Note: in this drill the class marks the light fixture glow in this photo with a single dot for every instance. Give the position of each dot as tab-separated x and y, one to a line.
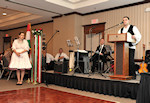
4	13
147	9
74	1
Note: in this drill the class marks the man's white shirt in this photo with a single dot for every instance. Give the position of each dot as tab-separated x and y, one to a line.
59	55
49	58
137	35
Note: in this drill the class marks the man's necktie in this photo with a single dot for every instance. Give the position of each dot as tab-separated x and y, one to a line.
58	57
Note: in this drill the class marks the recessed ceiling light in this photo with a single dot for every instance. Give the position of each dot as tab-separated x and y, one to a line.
74	1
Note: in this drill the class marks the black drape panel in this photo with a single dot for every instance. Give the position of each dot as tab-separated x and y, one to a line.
106	87
144	89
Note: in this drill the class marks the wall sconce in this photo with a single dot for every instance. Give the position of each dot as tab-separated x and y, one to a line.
147	9
4	11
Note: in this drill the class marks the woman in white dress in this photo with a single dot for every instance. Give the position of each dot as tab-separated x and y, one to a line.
20	59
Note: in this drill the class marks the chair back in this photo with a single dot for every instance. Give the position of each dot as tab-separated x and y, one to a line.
5	61
108	49
109	52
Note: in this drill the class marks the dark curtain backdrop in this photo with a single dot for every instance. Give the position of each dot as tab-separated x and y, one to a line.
106	87
144	89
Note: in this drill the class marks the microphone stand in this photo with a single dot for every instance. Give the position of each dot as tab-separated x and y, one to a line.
111	27
45	66
90	32
77	58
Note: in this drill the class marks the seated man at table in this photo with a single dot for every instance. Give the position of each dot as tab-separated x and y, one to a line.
61	56
49	60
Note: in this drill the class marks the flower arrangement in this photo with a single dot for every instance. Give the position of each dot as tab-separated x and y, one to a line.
37	31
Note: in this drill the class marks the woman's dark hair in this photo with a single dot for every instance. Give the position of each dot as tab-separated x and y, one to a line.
21	32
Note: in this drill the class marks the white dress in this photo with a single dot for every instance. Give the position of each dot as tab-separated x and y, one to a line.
22	61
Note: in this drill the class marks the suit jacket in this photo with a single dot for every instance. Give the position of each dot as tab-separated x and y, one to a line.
102	51
96	55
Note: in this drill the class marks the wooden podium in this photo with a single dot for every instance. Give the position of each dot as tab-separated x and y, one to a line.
121	55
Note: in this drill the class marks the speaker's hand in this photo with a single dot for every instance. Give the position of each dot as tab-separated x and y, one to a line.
100	53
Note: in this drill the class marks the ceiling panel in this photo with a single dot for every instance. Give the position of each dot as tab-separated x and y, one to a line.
42	11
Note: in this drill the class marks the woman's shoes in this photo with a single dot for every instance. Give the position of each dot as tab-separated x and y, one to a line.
19	83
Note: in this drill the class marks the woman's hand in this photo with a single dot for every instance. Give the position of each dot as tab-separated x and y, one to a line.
23	51
18	54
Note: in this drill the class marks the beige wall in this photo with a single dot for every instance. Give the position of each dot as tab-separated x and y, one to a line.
138	17
47	29
1	41
69	26
79	31
66	26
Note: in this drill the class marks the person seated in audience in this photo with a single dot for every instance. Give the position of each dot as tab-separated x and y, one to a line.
1	55
61	56
49	60
7	55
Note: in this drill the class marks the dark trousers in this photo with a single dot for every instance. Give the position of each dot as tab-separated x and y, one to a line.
48	66
96	64
131	62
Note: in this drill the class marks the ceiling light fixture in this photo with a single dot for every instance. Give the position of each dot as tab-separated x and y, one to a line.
74	1
147	9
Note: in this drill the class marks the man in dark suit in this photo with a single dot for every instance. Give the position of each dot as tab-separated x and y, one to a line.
100	54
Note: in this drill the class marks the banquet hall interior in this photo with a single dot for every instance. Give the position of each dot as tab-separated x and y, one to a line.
76	27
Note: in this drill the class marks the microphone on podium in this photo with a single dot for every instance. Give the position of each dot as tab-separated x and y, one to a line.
57	30
121	23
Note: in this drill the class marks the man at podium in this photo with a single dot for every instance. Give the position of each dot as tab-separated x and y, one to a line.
132	46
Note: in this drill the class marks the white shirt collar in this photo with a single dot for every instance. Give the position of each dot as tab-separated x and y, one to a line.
127	27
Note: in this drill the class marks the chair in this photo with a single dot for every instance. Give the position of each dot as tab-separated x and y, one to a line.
109	58
0	65
5	64
103	60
